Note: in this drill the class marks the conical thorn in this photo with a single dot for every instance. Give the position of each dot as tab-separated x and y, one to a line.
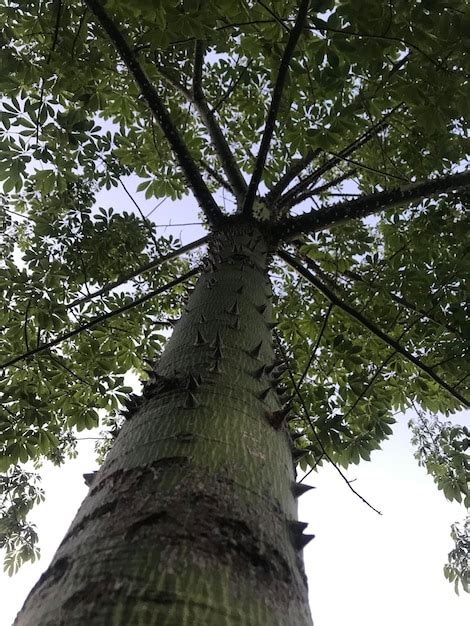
215	367
200	339
217	354
277	418
298	489
192	382
234	309
217	342
255	353
264	394
258	374
190	401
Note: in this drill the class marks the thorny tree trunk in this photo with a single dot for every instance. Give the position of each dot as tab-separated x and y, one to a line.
191	520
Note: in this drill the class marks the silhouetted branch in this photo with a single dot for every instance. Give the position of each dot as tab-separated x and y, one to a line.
274	107
308	419
290	198
140	270
161	114
100	318
371	326
296	167
371	203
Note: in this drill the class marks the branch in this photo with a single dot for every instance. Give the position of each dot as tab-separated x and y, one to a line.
195	96
276	17
216	176
371	203
145	220
161	114
231	169
322	26
140	270
316	346
296	168
371	326
274	107
355	276
100	318
316	191
231	87
289	199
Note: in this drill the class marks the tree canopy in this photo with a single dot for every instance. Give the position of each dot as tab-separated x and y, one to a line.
338	126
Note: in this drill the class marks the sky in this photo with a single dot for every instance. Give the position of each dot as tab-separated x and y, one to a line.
363	569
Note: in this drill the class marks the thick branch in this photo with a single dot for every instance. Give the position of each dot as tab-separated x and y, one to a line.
161	114
371	326
100	318
140	270
230	166
371	203
274	107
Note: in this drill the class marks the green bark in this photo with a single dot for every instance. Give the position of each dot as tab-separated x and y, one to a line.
191	520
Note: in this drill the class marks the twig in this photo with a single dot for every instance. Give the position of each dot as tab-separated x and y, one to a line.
312	426
317	343
289	199
144	218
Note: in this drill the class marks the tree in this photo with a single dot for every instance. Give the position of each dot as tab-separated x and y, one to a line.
330	297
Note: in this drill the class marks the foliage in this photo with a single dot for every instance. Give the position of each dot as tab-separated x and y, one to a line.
73	124
457	570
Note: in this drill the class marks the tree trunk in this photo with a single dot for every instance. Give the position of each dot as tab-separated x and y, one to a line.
191	520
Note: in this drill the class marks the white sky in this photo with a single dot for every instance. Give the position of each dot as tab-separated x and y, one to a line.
363	569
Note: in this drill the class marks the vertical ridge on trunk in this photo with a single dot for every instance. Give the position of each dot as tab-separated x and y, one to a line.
191	520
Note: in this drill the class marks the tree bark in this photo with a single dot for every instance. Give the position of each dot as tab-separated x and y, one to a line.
191	521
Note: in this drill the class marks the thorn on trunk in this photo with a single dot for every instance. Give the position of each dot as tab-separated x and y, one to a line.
255	353
200	339
258	374
192	382
89	478
190	401
261	308
217	342
217	354
264	394
234	309
236	324
298	489
215	367
277	418
298	539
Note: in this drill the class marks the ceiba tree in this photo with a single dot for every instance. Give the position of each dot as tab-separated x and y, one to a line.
329	298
